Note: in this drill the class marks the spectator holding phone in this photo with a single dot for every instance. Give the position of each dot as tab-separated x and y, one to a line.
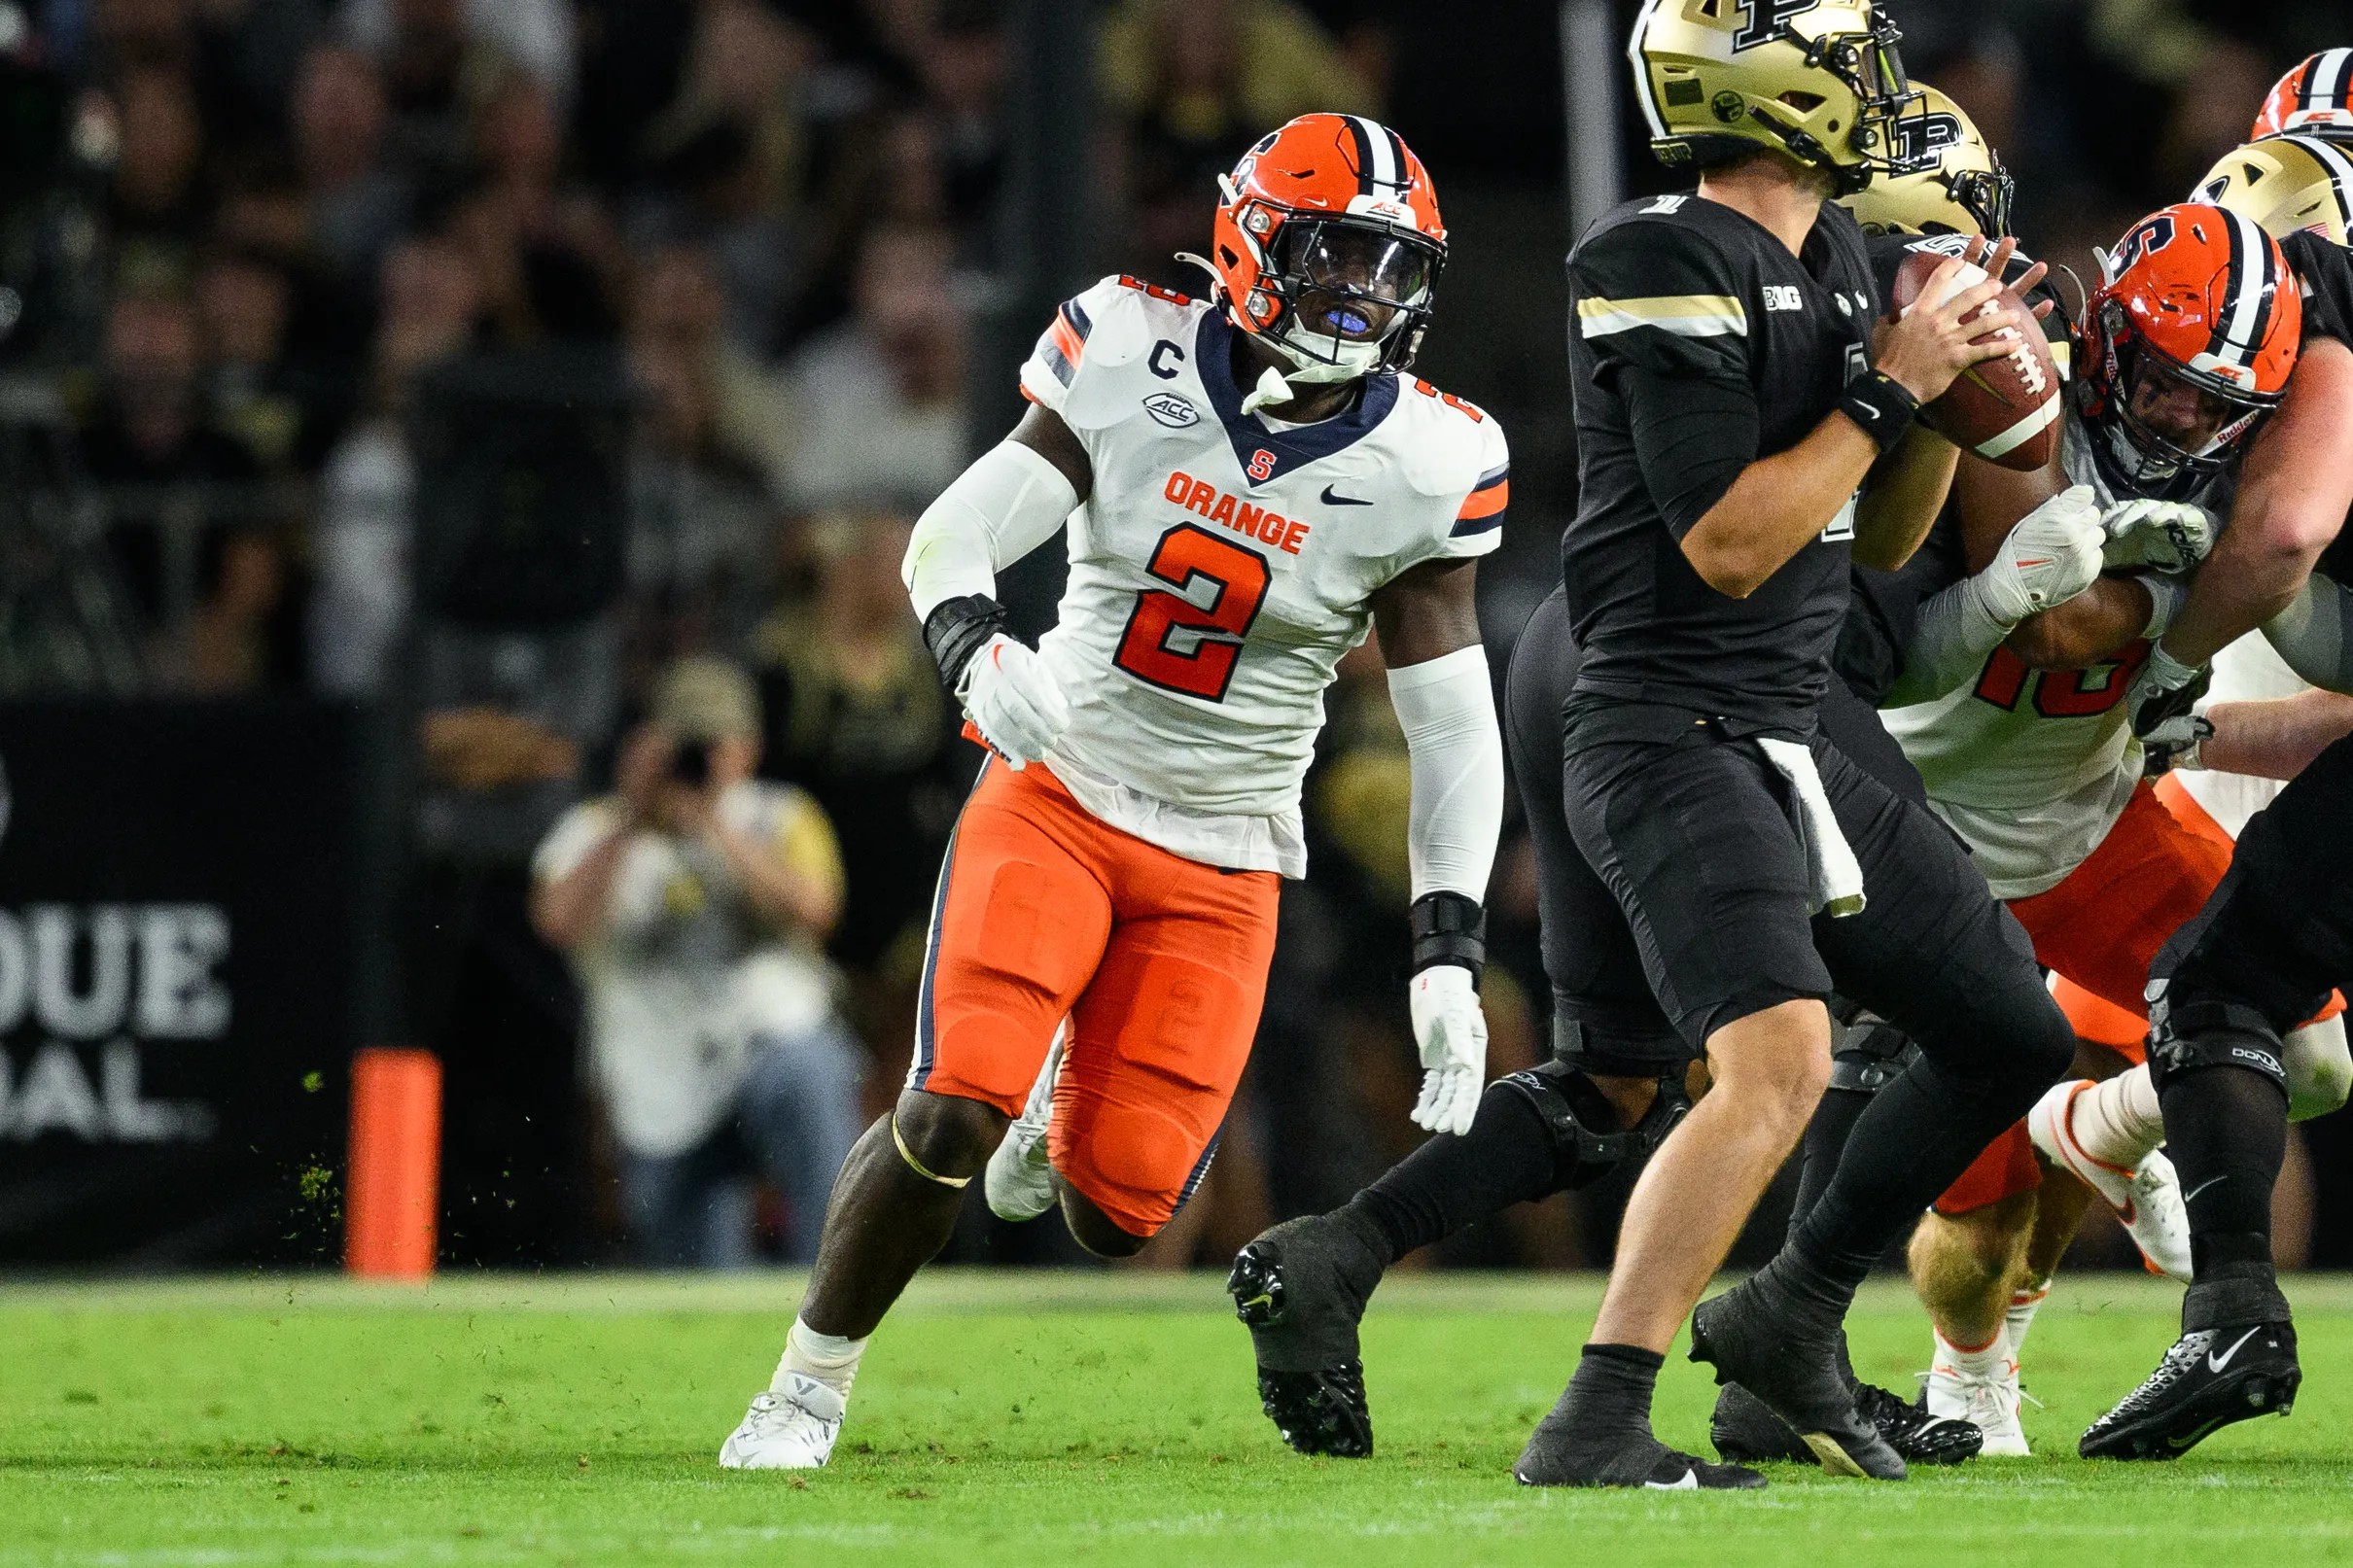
692	904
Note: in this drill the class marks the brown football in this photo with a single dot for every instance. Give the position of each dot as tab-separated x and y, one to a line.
2005	410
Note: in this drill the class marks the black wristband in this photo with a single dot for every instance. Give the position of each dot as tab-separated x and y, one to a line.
957	628
1883	406
1448	929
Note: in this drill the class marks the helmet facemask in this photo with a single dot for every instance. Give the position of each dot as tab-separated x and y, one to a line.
1356	295
1872	67
2145	456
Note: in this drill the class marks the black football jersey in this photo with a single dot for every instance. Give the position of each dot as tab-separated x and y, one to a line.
1688	289
2325	268
2326	271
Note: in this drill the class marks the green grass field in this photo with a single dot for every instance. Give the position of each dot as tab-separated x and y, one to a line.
1026	1418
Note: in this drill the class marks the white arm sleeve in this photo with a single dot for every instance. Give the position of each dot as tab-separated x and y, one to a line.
1447	708
1955	634
2314	635
1008	503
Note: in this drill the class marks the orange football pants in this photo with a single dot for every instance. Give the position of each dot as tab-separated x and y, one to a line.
2097	932
1046	913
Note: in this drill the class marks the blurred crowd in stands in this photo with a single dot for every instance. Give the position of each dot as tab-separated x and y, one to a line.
482	359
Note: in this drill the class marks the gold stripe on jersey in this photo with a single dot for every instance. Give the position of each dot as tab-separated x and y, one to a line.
1686	314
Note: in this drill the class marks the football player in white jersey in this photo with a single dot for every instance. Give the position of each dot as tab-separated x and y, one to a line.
2026	746
1247	487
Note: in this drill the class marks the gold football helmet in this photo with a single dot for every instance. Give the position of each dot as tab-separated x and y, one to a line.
1819	81
1956	185
2285	184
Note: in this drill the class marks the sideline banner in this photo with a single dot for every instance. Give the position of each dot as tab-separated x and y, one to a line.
182	930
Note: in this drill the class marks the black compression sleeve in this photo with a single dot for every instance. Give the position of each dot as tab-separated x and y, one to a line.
1693	437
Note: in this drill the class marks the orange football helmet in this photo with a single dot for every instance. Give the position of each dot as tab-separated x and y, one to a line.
1328	247
2188	344
2316	97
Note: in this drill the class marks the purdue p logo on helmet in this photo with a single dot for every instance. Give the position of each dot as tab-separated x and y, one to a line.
1817	79
1957	185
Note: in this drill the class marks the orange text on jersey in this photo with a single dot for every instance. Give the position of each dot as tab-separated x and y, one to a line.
1285	534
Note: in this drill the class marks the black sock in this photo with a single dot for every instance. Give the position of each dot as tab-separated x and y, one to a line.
1609	1394
1908	1143
1506	1158
2227	1129
1825	1140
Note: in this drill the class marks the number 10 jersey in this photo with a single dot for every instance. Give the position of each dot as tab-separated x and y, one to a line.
1225	564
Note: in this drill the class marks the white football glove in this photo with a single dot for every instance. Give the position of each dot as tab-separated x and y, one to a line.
1452	1034
1011	697
2051	556
2165	690
2171	535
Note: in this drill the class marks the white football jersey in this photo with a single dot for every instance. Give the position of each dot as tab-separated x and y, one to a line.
1223	564
2033	767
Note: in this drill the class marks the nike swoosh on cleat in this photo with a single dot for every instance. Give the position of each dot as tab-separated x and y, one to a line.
2214	1363
1689	1484
2045	561
1332	498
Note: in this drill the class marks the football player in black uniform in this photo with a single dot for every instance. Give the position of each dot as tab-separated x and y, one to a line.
2277	935
1729	412
1619	1074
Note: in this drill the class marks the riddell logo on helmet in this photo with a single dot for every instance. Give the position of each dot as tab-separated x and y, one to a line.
1285	534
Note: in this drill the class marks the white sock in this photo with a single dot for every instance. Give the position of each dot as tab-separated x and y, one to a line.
2116	1122
1985	1361
828	1358
2025	1302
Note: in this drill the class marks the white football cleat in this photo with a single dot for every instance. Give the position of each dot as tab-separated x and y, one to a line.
793	1430
2148	1200
1988	1403
1018	1182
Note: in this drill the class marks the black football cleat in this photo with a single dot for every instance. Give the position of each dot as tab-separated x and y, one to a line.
1746	1433
1557	1456
1301	1289
2210	1379
1792	1368
1917	1436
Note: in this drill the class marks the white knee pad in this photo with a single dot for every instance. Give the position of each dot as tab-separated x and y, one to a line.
2319	1068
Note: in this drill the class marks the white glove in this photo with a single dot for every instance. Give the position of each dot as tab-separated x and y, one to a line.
2171	535
2051	556
2165	690
1452	1034
1011	697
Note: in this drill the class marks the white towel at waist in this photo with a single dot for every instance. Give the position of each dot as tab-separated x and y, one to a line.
1836	876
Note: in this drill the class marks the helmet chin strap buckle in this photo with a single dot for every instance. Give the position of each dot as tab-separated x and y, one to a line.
1271	388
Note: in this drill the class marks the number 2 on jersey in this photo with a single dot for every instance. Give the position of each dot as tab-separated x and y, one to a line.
1186	556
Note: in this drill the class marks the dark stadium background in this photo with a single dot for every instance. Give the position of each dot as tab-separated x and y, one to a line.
301	295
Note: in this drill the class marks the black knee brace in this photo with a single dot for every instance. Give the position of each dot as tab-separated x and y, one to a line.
1577	1114
2199	1032
1872	1052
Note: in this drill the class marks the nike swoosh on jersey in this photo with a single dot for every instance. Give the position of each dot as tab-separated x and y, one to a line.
2214	1363
1332	498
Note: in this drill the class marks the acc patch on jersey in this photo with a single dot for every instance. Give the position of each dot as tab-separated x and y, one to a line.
1172	410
